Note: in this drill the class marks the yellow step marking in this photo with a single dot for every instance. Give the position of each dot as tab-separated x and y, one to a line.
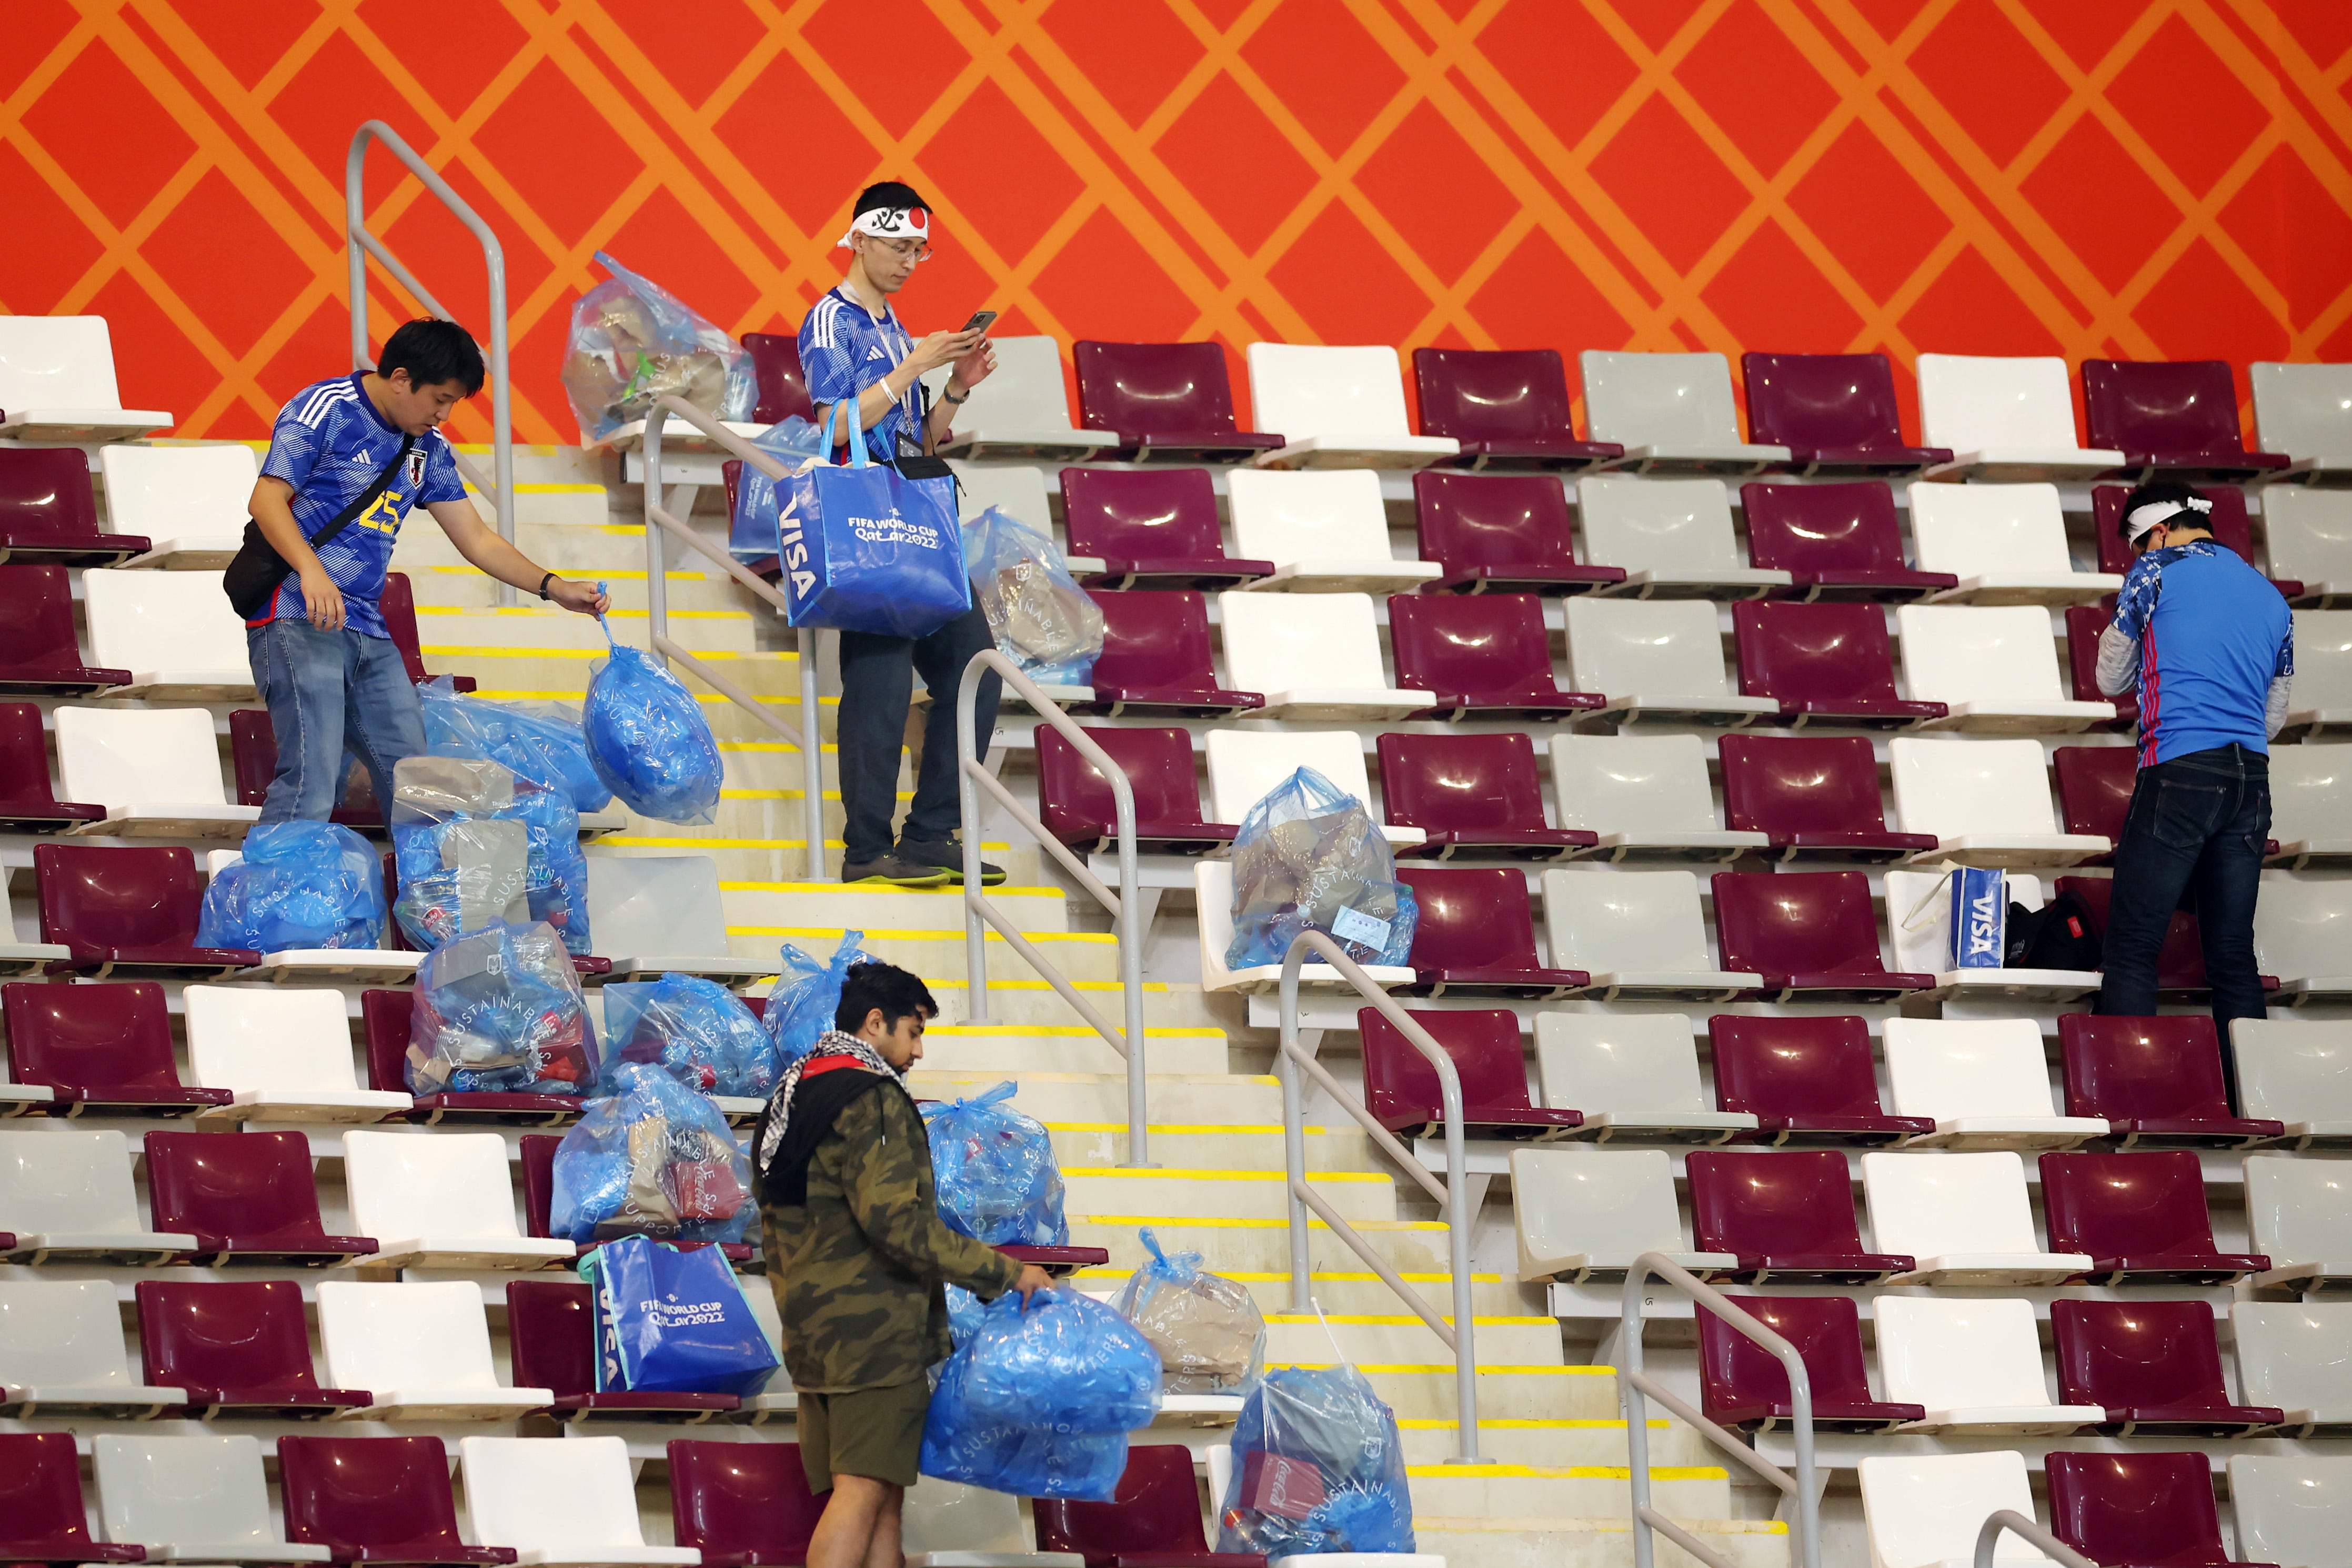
1430	1368
1282	1275
610	615
1235	1222
468	650
1430	1424
1124	1172
1183	1129
942	891
921	933
1450	1524
1152	985
639	576
1565	1472
1070	1031
1394	1319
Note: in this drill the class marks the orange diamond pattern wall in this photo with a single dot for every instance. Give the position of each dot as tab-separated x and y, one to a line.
2103	177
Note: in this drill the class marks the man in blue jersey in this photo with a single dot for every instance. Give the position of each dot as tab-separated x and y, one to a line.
2209	646
322	659
852	346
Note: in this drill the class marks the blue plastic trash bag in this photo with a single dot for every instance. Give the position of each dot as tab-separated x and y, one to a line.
1309	855
964	1312
500	1011
698	1030
961	1444
300	885
1043	621
542	742
1317	1468
995	1173
673	1323
1208	1330
807	993
1063	1362
867	550
754	530
648	740
632	340
474	847
653	1158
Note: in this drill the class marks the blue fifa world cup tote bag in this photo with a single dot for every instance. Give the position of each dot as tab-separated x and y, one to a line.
865	549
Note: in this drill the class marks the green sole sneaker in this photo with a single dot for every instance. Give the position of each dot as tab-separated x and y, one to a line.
894	872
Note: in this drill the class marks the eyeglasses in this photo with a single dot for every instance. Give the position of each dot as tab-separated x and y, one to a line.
905	249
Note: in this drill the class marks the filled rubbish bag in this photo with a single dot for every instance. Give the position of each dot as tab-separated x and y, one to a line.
696	1030
1309	855
672	1321
500	1011
1062	1361
961	1444
1317	1468
807	993
653	1158
648	738
1042	619
474	845
1207	1329
542	742
755	527
964	1312
995	1174
632	340
299	885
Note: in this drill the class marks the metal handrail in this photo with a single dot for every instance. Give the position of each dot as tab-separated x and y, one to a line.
1634	1386
973	776
2017	1524
660	526
359	244
1290	1060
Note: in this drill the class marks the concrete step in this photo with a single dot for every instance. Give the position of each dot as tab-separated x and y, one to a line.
1213	1147
549	632
1165	1005
1415	1248
1553	1443
1498	1541
995	1052
1344	1291
1393	1336
1079	956
560	670
1118	1196
557	464
1424	1391
1068	1099
463	586
1580	1492
830	906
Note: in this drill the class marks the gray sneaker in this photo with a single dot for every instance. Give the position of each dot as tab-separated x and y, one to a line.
949	856
896	869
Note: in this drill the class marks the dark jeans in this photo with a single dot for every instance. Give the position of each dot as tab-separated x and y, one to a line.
2197	827
876	688
329	693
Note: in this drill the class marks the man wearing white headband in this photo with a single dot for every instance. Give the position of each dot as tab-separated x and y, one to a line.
2207	644
852	346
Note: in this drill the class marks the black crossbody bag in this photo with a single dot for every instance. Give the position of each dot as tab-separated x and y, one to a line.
257	569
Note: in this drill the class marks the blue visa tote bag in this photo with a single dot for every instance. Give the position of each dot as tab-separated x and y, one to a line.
675	1323
865	549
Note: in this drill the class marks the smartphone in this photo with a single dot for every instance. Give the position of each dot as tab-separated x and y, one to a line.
980	322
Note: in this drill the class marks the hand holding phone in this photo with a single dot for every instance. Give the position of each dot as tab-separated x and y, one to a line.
980	322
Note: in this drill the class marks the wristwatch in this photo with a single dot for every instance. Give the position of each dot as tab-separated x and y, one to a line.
948	396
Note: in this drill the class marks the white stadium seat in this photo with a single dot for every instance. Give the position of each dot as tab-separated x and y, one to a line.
1671	412
190	1499
1018	492
1662	661
1996	669
1579	1215
285	1051
2006	544
1974	1365
1212	893
58	386
68	1196
1987	801
1919	920
2298	1072
2299	1212
1984	1081
1964	1218
1672	537
1313	656
422	1350
1923	1511
1638	934
2003	419
2311	804
1633	1076
661	914
2306	412
157	770
1022	410
1244	766
191	502
440	1200
1643	795
2291	1508
61	1350
2322	692
2292	1356
173	630
1335	409
1325	533
559	1503
2303	934
2309	534
949	1525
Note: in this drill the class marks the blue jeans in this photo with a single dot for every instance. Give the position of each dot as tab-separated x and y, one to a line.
329	693
2194	836
877	689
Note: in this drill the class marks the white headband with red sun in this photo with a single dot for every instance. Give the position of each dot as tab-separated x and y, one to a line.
889	223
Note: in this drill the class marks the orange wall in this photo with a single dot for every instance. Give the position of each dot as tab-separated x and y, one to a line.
1999	176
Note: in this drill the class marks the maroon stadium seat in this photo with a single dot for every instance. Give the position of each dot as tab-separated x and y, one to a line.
1471	792
1400	1086
1813	795
38	653
1151	529
1153	1521
46	511
1809	933
1075	801
2175	417
1170	401
252	759
2158	1081
742	1505
1826	663
28	801
1742	1384
376	1500
245	1199
2140	1217
1838	542
1508	533
1155	660
1803	1078
1482	657
105	1049
1507	408
384	1021
1786	1216
2136	1511
43	1518
551	1333
536	1155
1476	936
2154	1366
237	1349
2180	965
399	607
1835	412
125	912
783	390
2084	624
2095	788
2228	523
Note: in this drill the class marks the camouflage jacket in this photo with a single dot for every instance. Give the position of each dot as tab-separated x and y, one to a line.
858	1269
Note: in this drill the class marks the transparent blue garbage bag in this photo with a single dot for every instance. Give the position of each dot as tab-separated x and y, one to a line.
632	340
500	1011
672	1321
995	1174
653	1158
299	885
698	1030
1317	1468
754	529
961	1444
1041	618
1063	1362
1309	855
542	742
964	1312
474	846
648	738
1208	1330
807	993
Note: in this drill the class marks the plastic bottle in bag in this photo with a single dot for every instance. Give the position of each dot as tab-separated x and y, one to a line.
806	995
542	742
500	1011
1042	619
455	821
648	738
631	341
695	1029
1309	855
1208	1330
1317	1468
299	885
653	1158
994	1171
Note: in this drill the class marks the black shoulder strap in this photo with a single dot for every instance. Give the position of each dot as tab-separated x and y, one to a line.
345	518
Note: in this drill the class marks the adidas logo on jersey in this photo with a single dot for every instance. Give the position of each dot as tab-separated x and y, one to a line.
874	351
